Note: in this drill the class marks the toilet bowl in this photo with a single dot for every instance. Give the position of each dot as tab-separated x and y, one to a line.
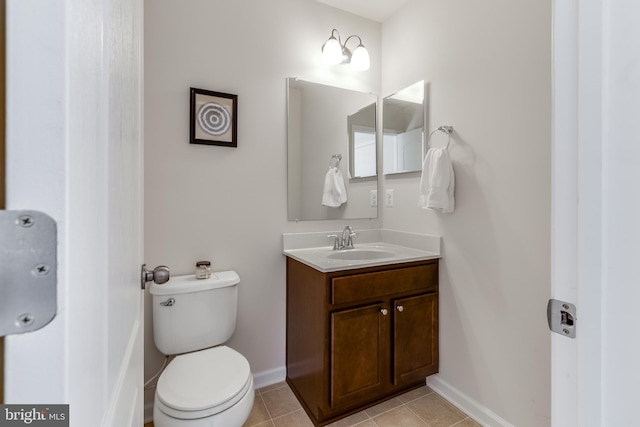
207	384
212	387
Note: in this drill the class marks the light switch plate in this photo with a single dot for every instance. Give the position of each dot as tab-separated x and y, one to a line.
373	198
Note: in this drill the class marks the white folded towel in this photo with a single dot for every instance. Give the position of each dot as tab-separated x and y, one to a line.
437	181
334	193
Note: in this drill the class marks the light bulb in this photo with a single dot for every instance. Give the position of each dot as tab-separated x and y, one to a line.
360	59
332	51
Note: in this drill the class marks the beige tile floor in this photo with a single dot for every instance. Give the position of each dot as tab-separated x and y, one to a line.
276	406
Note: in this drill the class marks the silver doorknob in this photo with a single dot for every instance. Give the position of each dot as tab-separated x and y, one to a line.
159	275
384	311
400	308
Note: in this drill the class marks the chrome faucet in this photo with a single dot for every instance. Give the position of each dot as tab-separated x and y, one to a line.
347	237
344	240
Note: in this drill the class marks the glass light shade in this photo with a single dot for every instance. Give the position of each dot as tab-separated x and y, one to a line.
332	52
360	59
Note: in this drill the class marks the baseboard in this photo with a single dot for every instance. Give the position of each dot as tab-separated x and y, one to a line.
466	404
148	412
260	380
272	376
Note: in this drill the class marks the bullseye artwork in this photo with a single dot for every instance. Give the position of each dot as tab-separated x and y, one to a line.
214	118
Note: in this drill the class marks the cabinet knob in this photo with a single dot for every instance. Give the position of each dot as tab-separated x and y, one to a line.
384	311
400	308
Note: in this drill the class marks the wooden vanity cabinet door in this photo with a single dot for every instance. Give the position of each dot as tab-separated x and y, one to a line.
360	354
415	338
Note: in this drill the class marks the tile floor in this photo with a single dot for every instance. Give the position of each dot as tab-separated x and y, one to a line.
276	406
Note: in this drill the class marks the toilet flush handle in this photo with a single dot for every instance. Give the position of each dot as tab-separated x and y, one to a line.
168	303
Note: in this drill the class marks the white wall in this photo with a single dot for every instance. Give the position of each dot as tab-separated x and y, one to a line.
488	65
488	68
224	204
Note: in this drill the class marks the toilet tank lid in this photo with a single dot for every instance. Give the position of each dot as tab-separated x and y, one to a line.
189	283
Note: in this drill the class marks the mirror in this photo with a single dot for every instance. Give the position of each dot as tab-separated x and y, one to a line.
362	142
329	127
403	141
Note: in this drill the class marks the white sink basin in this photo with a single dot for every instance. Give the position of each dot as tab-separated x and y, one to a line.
325	259
361	254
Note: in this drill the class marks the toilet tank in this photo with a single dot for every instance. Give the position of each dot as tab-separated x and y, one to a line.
191	314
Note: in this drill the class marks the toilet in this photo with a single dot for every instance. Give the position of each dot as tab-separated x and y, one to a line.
207	384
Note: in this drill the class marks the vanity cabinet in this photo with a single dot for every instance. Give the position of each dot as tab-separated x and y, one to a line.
357	337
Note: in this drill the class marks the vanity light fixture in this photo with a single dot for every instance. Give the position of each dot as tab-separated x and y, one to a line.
336	52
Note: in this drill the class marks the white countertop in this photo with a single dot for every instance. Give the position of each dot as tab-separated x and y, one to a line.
402	246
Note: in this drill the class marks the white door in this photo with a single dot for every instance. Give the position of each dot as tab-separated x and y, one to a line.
74	151
596	207
564	240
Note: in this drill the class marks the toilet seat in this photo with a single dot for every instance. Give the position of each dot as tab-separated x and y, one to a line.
203	383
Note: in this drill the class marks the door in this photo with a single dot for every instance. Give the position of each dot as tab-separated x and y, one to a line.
415	333
2	163
596	231
360	352
74	151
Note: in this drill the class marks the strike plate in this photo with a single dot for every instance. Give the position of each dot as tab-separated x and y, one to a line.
28	271
561	317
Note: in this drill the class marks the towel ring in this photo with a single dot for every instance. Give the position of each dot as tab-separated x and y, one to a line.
444	129
337	158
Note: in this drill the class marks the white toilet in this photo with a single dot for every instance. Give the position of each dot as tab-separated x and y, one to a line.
207	384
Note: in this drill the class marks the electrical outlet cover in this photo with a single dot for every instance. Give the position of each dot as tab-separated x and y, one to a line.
389	198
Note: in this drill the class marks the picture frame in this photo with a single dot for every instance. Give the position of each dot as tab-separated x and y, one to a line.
213	118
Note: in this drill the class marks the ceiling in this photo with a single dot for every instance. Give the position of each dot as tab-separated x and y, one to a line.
376	10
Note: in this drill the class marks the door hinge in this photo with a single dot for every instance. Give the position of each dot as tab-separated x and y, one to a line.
561	317
28	271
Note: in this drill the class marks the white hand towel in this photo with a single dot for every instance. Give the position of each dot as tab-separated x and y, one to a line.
437	181
334	193
339	185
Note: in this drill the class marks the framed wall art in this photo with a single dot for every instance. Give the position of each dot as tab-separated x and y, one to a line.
214	118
